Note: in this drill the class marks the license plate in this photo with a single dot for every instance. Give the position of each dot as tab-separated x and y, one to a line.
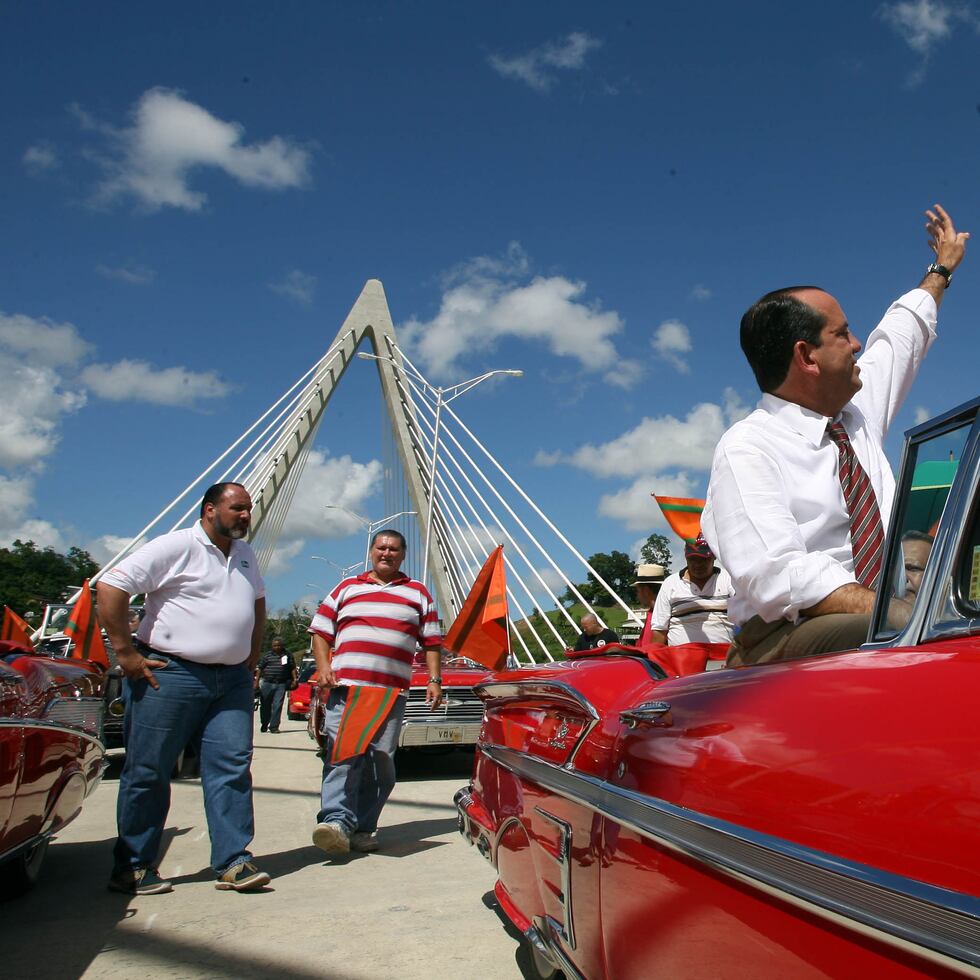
444	735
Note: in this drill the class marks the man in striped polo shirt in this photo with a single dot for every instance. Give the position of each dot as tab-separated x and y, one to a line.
366	632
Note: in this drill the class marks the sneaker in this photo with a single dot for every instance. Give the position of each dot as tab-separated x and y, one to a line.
366	843
244	877
139	881
273	731
331	837
264	728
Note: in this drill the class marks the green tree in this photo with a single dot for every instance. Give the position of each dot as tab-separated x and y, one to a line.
290	625
31	577
616	568
656	551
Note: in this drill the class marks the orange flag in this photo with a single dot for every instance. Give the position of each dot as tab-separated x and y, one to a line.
15	629
83	628
480	630
683	515
364	712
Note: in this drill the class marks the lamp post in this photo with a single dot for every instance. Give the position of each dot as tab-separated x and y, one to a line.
344	571
443	396
369	526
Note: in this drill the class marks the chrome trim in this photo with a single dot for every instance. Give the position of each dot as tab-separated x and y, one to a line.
536	687
927	920
16	722
547	931
564	861
646	713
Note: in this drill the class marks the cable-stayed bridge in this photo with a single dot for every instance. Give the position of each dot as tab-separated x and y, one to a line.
454	499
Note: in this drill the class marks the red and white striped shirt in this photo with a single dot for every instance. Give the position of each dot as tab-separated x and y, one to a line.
375	627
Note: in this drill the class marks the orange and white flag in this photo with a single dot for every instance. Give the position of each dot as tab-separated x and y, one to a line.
15	629
480	630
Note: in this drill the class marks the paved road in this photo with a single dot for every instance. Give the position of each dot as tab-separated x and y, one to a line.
420	908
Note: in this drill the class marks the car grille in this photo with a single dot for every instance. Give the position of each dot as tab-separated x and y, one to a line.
84	713
463	710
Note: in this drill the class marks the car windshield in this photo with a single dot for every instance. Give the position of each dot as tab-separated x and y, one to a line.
927	478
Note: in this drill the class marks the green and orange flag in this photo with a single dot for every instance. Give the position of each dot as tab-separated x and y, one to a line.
15	629
364	713
480	630
83	628
683	515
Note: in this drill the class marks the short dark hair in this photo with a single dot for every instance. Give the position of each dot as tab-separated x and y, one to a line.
918	536
215	492
391	533
771	326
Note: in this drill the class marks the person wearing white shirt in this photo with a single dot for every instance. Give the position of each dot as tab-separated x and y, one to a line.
775	513
188	678
692	606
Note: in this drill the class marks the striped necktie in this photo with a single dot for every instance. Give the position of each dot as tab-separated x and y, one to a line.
867	532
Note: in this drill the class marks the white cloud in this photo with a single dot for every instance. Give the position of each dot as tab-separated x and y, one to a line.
151	160
548	457
40	158
625	374
538	67
701	292
485	301
16	499
41	342
135	275
657	444
33	354
282	557
328	480
922	414
923	25
128	380
297	285
635	507
671	340
103	548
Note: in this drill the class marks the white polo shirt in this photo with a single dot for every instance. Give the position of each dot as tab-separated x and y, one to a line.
688	614
199	604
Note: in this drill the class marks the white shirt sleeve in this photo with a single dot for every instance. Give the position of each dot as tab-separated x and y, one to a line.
660	618
150	567
756	537
892	356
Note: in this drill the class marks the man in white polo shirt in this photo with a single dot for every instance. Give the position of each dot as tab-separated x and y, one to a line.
188	678
692	606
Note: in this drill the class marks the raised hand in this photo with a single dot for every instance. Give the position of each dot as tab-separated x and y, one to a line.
948	243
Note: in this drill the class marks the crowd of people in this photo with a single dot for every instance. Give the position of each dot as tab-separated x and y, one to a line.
797	500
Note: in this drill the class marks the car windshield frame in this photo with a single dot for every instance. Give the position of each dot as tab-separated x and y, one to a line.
936	612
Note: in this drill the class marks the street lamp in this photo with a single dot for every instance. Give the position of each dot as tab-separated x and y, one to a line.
443	396
344	571
369	526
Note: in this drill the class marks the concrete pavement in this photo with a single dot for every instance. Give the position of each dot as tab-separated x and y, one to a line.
422	907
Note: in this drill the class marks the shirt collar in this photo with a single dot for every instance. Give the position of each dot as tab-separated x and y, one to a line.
809	424
397	580
202	536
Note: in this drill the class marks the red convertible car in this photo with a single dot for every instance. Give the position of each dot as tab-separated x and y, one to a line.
51	754
815	818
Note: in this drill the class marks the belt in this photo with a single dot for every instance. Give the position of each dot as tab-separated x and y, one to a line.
146	648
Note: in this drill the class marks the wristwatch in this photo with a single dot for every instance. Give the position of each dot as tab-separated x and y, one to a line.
940	270
436	680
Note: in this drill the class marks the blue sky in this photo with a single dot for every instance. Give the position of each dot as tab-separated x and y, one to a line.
193	198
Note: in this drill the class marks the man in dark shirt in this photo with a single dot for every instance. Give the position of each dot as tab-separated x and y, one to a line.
593	634
275	673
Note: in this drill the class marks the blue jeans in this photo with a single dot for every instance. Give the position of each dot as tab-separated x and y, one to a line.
211	707
355	791
271	697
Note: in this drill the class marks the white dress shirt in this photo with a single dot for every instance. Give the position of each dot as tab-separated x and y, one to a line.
688	614
200	605
775	514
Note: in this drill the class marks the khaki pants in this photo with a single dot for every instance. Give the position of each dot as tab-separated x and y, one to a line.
759	642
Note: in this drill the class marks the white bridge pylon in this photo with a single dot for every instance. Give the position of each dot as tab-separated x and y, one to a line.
477	503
